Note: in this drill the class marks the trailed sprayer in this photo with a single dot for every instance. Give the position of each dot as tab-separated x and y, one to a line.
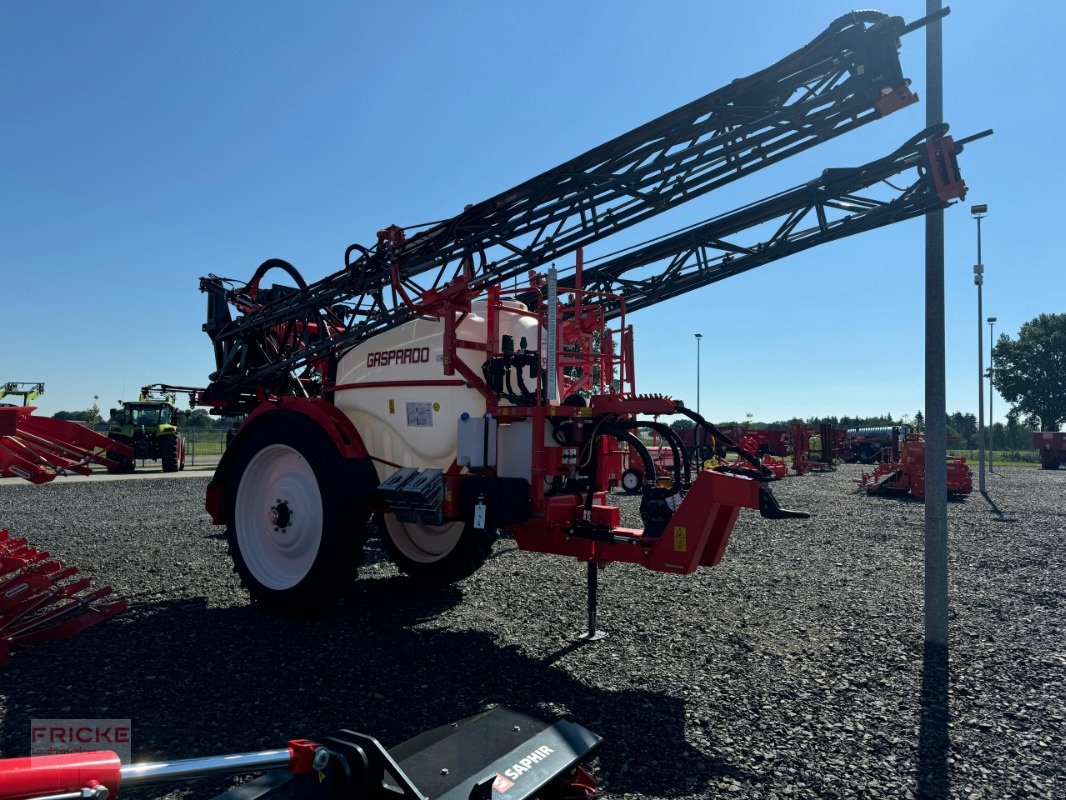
476	374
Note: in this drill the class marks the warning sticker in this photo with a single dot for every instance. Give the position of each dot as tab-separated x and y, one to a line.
680	539
419	415
502	784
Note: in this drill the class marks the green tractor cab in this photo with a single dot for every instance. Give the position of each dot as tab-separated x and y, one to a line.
149	426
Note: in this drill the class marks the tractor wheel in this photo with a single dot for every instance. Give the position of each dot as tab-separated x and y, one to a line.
632	481
294	539
122	463
436	555
1050	465
125	465
868	454
169	452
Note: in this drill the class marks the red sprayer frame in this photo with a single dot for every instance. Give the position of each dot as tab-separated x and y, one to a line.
593	359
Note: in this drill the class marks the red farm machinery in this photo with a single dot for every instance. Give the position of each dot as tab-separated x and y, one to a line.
906	473
1052	448
815	449
451	381
42	599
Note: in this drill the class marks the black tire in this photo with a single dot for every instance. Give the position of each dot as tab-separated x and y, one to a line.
168	451
435	556
632	481
300	462
124	465
1049	465
868	454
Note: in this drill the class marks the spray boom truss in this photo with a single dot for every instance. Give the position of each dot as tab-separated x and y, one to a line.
848	76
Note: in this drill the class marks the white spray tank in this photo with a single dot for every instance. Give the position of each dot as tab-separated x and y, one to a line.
394	390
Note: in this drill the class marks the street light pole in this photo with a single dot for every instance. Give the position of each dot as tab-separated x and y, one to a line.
991	367
698	337
979	212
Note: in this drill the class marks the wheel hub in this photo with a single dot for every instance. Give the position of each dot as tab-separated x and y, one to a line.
280	515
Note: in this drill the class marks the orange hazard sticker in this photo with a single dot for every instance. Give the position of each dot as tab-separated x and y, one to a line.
680	539
502	784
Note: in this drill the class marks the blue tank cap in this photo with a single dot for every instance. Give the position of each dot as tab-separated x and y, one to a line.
464	416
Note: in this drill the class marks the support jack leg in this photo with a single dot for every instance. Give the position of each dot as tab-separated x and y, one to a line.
592	635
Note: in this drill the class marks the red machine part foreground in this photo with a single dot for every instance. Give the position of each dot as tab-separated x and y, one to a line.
496	753
38	449
907	475
41	600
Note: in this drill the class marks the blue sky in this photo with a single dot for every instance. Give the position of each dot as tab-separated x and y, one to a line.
146	144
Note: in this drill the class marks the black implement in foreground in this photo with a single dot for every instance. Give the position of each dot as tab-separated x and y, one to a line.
283	341
498	753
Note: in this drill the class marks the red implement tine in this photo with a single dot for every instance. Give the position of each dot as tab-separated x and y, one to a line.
54	613
38	594
62	630
27	588
40	601
39	448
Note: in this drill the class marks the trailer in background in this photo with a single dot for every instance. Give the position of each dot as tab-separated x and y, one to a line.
1052	447
882	443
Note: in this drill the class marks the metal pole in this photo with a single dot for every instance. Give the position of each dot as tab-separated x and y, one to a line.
936	476
699	336
593	634
991	367
934	738
979	279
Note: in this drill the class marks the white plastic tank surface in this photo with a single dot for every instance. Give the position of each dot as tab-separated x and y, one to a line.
399	399
476	441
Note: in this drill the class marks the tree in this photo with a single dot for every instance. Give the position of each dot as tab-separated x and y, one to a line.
92	413
682	424
199	418
919	420
964	426
1030	371
1018	436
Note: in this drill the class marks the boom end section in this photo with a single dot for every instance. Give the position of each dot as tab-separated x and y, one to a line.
893	101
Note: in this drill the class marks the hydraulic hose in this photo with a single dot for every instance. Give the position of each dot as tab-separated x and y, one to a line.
277	263
677	447
715	431
625	436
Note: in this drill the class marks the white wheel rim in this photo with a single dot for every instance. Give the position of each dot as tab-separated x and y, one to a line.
279	557
630	481
425	544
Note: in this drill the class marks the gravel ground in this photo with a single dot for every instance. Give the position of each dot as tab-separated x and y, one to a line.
794	669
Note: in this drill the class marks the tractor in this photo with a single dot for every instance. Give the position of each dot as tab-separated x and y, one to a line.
149	426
